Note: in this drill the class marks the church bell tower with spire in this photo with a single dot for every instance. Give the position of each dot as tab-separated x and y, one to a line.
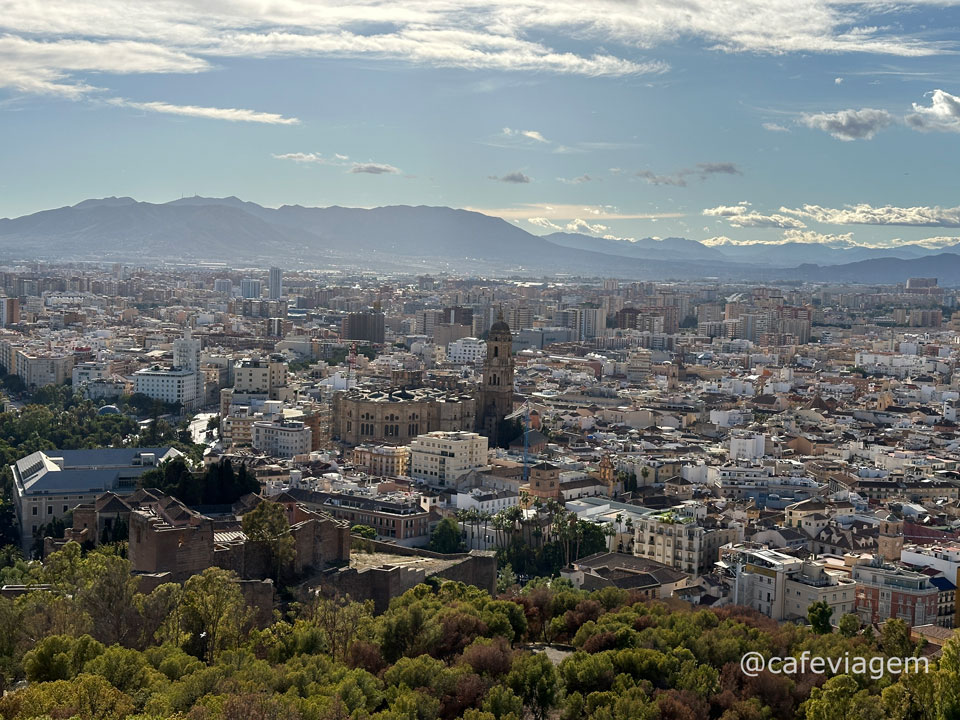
495	397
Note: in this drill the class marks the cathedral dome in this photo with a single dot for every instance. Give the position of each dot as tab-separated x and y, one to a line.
500	328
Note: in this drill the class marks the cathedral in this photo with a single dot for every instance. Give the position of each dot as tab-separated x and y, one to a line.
495	396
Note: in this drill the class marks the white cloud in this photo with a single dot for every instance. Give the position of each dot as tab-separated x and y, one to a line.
529	134
212	113
313	158
811	237
502	35
850	124
577	180
937	242
774	127
838	81
740	216
942	114
561	211
577	225
864	214
582	226
372	168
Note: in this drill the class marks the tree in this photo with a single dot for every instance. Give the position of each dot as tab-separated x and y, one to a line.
849	625
819	614
506	578
60	657
895	638
107	592
446	538
340	620
364	531
267	526
841	698
213	613
534	679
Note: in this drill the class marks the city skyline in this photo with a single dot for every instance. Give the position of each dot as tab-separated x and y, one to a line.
807	122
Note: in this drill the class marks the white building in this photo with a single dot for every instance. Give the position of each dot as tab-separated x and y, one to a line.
281	438
276	283
250	288
784	587
181	384
89	371
466	351
487	500
747	446
441	457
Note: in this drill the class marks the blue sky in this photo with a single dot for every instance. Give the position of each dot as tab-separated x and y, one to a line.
717	120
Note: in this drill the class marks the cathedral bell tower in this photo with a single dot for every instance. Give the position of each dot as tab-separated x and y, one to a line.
495	397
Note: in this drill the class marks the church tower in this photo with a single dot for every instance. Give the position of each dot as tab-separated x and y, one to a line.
495	397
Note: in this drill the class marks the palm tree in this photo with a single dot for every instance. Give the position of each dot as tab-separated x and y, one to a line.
611	533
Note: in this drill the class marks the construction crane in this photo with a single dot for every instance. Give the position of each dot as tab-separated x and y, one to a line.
523	410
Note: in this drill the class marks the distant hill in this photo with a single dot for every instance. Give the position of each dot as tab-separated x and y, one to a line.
885	271
424	238
229	228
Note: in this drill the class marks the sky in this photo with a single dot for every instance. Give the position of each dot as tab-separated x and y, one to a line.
723	121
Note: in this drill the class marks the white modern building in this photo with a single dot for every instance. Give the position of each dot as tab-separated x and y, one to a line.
441	457
784	587
275	290
281	438
466	351
250	288
746	445
181	384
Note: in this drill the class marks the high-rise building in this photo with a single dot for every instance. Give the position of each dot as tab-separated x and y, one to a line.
223	285
9	311
275	291
250	288
367	325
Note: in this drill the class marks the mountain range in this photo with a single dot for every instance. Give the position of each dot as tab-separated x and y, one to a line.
406	238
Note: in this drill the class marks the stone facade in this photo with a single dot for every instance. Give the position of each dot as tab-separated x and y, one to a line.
166	537
364	415
495	397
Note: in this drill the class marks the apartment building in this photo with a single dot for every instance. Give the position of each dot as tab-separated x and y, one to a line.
281	438
385	460
782	586
441	457
682	542
887	591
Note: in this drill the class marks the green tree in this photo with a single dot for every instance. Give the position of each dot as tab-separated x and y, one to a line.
534	679
267	526
213	613
849	625
819	614
895	638
446	537
60	657
364	531
107	592
840	698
